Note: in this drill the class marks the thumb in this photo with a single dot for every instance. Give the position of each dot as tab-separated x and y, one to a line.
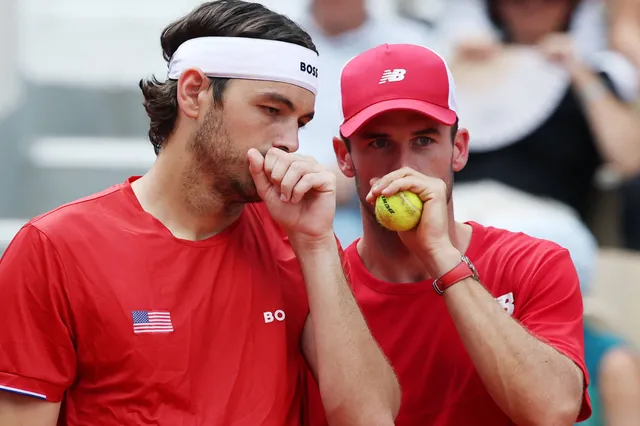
256	168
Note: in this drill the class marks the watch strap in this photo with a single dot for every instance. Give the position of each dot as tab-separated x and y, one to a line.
460	272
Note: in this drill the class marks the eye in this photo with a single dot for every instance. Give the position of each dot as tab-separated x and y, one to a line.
379	143
423	141
270	110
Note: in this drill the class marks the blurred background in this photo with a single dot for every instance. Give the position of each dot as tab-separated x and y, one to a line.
547	88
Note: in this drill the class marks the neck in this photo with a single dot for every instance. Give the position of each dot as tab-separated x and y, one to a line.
183	200
336	18
525	39
387	258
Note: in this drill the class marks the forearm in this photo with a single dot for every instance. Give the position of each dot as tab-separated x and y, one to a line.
356	383
530	381
615	125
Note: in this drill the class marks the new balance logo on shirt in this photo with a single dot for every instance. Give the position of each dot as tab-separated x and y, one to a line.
390	76
507	303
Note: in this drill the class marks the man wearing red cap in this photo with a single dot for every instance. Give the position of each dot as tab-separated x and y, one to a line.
483	326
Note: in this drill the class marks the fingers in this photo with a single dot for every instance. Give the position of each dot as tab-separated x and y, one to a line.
275	161
478	49
256	168
378	185
320	182
294	175
426	189
556	47
407	179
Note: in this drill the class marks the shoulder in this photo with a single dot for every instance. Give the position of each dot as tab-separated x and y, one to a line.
66	216
522	262
508	245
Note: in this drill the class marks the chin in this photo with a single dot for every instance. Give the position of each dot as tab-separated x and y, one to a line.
249	193
367	206
240	191
253	199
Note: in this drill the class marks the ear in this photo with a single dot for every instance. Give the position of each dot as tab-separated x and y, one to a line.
192	85
344	157
460	150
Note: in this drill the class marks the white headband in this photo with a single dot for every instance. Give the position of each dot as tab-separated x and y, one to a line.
248	58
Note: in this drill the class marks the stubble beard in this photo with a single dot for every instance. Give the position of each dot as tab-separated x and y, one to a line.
218	163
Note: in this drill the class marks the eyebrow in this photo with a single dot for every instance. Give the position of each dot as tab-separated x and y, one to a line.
427	131
277	97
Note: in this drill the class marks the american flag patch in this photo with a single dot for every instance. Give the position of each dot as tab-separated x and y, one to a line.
151	322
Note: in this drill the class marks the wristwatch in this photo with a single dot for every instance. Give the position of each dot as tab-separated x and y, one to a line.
464	269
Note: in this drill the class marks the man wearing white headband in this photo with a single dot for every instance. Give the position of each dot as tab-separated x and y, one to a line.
176	298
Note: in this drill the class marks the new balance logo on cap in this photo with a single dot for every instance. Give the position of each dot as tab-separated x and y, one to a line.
389	76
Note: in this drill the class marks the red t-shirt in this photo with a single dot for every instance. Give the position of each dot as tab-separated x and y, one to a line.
105	310
534	280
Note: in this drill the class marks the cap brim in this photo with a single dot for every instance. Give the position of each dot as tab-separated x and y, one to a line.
438	113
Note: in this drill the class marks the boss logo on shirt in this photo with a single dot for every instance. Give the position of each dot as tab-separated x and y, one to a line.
309	69
278	315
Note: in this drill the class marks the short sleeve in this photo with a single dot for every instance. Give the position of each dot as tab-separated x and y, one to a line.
552	311
617	72
37	356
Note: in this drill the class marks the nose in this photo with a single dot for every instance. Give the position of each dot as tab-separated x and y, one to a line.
404	158
288	141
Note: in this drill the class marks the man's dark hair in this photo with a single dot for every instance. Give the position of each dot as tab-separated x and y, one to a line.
454	131
221	18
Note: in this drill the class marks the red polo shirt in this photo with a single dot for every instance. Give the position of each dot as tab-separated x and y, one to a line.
105	310
533	280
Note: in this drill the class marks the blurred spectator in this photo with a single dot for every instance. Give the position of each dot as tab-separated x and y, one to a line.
614	373
546	103
456	21
341	29
624	34
630	196
625	37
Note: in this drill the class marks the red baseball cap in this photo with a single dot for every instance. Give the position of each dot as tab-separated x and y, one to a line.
396	76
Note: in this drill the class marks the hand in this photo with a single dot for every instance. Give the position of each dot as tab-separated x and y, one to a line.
299	193
481	48
558	48
430	240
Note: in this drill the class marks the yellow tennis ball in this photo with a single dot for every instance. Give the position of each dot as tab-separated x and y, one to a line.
399	212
